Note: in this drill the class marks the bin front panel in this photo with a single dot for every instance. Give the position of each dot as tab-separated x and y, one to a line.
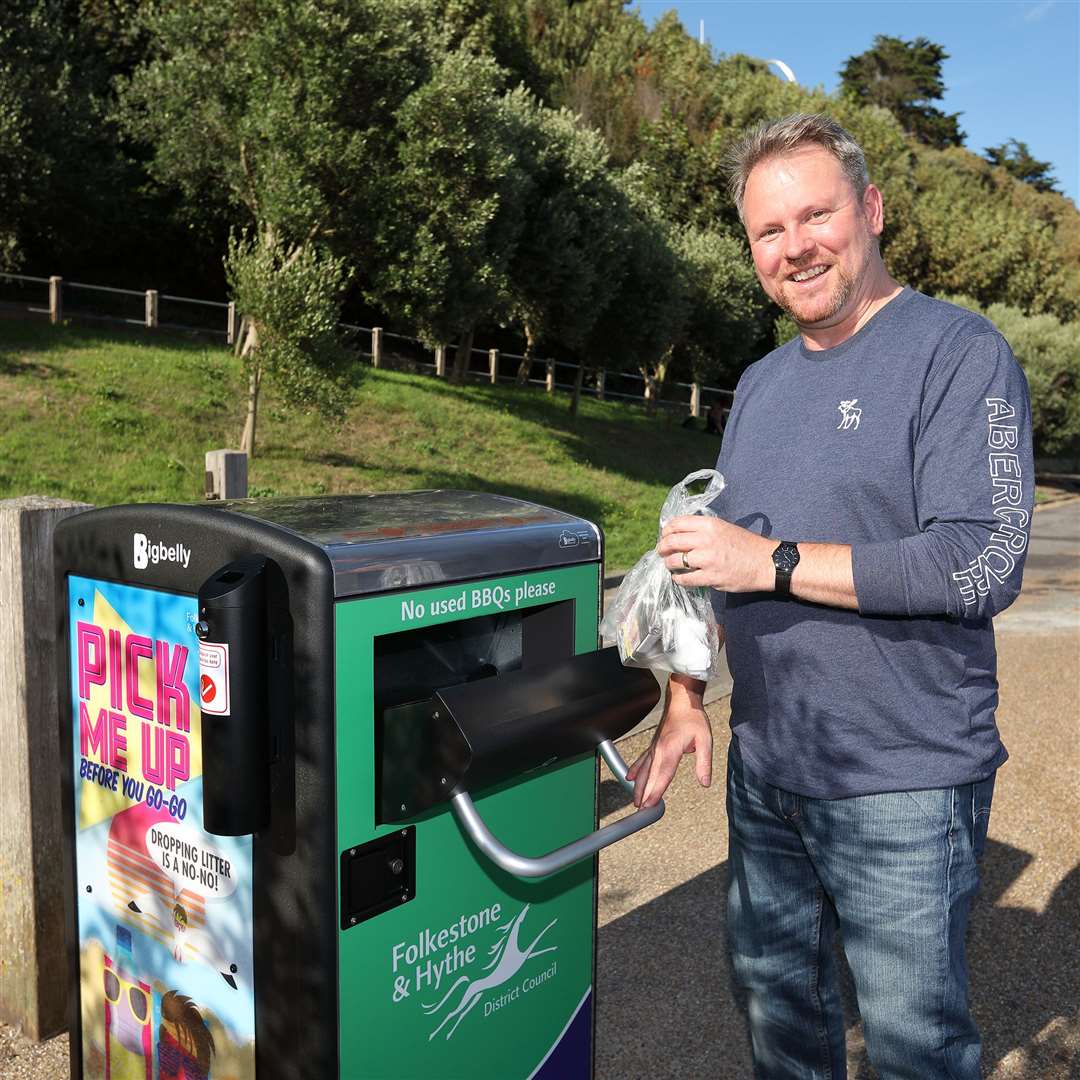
164	910
479	973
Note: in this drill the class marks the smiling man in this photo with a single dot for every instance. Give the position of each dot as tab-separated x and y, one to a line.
880	489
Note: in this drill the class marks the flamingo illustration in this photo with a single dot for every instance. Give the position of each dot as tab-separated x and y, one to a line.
507	960
172	921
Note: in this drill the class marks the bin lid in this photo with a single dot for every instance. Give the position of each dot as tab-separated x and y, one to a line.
405	539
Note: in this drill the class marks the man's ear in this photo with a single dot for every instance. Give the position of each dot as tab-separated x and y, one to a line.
873	209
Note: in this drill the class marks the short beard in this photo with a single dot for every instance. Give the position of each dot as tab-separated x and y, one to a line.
844	290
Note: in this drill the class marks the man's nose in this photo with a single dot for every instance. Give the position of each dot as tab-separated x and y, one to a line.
797	243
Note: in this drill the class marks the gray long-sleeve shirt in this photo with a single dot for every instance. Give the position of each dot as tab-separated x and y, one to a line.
910	441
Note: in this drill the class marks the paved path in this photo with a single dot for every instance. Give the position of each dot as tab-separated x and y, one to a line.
664	1000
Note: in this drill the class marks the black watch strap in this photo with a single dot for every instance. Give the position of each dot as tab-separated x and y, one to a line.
785	558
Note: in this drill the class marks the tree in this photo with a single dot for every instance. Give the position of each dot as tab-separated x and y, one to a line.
1049	352
291	299
905	78
20	165
977	240
276	115
724	306
648	312
1016	159
568	258
63	179
451	225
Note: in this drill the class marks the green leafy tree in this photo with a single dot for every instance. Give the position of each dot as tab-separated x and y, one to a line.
443	254
905	78
648	313
977	240
724	306
66	188
275	115
292	300
1049	352
568	258
20	164
1017	160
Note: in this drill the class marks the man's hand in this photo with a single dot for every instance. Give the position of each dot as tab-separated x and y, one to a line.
733	559
684	729
722	555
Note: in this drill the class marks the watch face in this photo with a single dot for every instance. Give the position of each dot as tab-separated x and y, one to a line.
786	557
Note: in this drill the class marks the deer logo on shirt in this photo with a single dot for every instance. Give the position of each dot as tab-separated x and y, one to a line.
850	415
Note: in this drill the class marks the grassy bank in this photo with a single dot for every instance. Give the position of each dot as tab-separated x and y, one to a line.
111	417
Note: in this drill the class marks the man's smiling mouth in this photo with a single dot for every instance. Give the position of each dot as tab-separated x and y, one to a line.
809	274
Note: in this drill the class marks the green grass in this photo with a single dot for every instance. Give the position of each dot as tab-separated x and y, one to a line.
110	417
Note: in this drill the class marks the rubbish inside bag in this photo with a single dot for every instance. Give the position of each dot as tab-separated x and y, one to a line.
656	622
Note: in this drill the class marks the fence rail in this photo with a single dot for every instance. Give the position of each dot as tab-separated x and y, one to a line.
600	385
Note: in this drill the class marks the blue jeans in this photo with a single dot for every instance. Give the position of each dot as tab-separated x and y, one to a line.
896	874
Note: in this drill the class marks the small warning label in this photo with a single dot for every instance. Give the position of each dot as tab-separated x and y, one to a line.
214	678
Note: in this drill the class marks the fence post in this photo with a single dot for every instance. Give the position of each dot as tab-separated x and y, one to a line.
32	993
56	312
695	400
151	307
232	324
376	346
601	379
440	361
549	377
226	474
493	365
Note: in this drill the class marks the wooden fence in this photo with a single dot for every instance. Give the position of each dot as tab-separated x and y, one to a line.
69	299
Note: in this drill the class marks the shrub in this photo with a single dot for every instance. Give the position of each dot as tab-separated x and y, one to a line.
1049	352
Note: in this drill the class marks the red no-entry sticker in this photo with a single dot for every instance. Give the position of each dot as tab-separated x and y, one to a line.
214	678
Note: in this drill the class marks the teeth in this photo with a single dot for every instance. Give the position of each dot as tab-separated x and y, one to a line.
806	275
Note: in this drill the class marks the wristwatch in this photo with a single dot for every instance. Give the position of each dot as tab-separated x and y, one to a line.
785	558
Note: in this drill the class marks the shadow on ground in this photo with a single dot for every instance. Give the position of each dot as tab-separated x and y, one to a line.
664	972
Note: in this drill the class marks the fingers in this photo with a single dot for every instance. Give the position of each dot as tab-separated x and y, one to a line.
640	770
703	760
660	776
651	783
632	772
692	579
685	523
674	562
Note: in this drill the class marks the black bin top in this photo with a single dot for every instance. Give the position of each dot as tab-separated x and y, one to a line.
399	540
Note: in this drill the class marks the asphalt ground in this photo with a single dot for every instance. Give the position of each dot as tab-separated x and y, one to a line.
665	1005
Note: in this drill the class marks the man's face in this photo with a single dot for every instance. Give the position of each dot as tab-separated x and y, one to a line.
812	240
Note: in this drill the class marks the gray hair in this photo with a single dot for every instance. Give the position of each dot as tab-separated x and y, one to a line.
777	138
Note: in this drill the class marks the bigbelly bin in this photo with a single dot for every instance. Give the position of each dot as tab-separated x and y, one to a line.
330	787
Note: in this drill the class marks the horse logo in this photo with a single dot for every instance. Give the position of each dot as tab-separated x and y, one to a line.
508	957
850	415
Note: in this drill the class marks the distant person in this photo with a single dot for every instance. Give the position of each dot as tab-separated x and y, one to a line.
714	419
880	489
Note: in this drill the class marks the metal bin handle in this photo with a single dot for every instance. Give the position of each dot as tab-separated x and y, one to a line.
523	866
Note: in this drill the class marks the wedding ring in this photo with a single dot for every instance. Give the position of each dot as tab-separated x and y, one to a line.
685	562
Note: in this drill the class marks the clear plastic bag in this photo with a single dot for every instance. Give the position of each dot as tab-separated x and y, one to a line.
656	622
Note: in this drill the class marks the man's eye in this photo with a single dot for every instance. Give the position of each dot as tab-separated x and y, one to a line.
817	215
768	233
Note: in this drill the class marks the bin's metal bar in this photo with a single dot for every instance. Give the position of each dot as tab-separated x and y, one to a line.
523	866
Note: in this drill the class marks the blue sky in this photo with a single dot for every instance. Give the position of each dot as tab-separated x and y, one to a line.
1013	69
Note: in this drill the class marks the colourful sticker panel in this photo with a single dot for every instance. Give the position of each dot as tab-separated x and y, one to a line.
164	908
